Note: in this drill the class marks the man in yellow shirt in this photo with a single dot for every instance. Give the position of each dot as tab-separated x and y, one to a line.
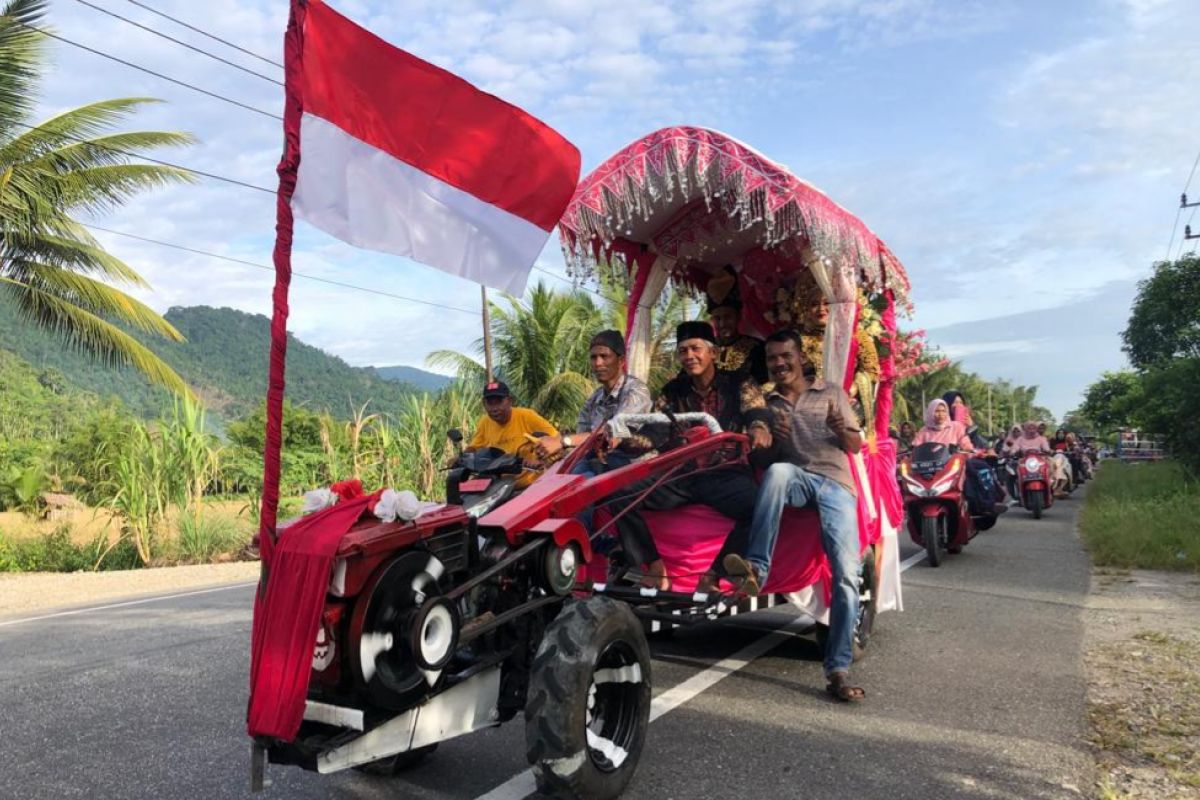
505	425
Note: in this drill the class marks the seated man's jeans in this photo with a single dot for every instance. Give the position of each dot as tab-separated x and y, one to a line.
786	484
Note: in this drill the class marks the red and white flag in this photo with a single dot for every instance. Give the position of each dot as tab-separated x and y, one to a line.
401	156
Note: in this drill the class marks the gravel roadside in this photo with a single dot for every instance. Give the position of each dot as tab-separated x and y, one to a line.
23	594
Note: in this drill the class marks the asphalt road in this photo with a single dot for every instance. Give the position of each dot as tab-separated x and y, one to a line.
975	690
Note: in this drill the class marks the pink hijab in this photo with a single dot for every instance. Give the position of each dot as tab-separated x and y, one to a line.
949	432
930	415
1030	439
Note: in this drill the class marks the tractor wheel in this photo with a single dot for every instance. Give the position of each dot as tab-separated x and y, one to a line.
588	705
929	535
1035	504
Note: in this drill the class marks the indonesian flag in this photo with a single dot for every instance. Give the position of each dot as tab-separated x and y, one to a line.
401	156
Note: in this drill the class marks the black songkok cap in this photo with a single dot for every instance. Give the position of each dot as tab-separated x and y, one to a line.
695	330
610	339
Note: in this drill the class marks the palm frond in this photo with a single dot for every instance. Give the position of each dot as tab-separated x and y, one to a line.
93	296
81	254
466	368
83	329
21	54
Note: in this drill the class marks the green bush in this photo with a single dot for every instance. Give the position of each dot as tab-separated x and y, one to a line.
204	537
52	552
1143	516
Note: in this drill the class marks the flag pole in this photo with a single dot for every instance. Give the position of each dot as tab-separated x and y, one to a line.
287	169
487	334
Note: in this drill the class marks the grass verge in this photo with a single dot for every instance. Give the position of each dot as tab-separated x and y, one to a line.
1143	516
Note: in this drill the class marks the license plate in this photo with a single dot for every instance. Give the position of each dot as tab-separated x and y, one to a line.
475	485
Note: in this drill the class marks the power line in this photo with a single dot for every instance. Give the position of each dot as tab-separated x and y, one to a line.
145	157
268	268
148	71
1179	211
179	42
214	37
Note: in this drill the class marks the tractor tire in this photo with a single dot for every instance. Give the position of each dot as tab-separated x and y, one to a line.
1035	504
584	736
929	535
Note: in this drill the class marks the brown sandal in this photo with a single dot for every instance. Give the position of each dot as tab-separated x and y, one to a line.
840	689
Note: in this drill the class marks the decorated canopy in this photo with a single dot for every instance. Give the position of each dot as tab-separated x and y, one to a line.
683	203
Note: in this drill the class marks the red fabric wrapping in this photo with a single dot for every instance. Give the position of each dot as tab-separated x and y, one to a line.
640	264
260	706
884	399
881	471
288	164
287	613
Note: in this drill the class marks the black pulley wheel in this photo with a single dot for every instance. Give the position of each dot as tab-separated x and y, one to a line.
380	645
588	705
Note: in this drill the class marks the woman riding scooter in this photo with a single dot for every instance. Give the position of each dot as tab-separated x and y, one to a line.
1064	477
941	429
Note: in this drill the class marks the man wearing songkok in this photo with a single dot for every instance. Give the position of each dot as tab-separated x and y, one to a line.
736	402
736	352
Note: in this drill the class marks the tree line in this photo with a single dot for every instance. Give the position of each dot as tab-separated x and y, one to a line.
1160	393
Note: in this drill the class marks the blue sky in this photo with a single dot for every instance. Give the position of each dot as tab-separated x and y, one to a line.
1023	159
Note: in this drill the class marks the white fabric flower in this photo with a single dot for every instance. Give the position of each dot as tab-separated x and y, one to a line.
318	499
404	505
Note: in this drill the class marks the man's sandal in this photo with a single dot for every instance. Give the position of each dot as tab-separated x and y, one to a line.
742	573
840	689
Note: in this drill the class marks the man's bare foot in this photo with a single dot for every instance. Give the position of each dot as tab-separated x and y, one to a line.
708	583
656	577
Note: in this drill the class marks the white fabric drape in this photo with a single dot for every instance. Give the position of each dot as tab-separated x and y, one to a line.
639	349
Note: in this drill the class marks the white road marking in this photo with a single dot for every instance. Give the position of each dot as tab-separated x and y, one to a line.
160	598
522	785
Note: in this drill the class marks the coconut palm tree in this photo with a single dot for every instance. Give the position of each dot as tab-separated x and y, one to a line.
55	272
541	349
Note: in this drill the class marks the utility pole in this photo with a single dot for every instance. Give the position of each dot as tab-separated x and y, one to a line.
487	334
991	422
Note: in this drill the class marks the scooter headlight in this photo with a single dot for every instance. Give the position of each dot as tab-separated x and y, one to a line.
942	485
1032	464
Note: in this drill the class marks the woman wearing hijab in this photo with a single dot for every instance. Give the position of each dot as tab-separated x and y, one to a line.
1031	439
940	428
980	483
961	412
1011	449
1010	441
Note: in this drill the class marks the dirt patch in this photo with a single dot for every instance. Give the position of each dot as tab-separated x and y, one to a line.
1143	668
26	594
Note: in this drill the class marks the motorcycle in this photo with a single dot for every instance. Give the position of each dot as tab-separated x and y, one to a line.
932	481
483	479
1034	483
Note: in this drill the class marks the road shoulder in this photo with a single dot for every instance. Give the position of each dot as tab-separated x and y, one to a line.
27	594
1142	654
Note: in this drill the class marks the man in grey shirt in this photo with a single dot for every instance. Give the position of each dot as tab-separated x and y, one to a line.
814	429
618	393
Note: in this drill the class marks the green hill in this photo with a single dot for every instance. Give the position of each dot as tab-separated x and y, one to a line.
418	378
224	359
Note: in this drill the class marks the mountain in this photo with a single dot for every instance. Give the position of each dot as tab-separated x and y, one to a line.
419	378
224	359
